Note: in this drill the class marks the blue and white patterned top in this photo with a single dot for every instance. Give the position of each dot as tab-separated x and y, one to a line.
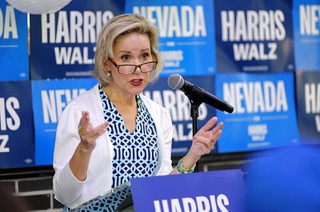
136	154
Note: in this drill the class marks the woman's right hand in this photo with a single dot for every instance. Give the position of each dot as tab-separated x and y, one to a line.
89	134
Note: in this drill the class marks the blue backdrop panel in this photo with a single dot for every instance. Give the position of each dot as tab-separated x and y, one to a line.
186	33
254	35
178	105
206	191
16	125
49	100
264	111
63	43
306	34
13	44
308	106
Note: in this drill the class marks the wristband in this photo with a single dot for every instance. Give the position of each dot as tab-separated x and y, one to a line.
184	170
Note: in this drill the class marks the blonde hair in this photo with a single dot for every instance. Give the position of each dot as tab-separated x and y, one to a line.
122	25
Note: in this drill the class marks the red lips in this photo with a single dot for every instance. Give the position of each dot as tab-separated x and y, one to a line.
136	82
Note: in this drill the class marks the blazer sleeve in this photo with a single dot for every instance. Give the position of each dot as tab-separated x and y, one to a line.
65	185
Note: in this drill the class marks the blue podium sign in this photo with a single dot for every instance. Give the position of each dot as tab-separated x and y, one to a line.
203	191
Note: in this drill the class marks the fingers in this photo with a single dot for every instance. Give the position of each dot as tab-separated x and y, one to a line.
209	140
205	139
209	124
217	129
205	130
86	131
84	122
99	130
205	144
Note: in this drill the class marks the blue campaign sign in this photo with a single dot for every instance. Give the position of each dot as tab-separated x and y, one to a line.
203	191
306	34
63	43
186	33
178	105
308	106
16	125
49	98
13	44
254	36
264	111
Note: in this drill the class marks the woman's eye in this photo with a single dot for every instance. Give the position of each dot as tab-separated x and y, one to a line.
145	56
125	58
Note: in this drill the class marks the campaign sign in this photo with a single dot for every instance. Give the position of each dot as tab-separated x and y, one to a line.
179	107
63	43
254	36
13	44
264	113
203	191
308	106
49	98
16	125
186	33
306	34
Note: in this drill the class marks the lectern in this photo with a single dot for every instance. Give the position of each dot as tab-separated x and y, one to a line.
201	191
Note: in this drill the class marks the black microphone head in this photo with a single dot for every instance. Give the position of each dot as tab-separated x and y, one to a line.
175	81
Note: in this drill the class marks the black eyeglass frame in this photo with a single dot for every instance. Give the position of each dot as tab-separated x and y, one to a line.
136	66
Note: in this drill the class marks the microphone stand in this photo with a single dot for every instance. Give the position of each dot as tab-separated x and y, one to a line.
194	113
191	92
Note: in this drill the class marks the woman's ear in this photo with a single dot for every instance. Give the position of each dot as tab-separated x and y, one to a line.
106	67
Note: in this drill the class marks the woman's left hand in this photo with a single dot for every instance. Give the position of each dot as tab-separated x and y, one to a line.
205	139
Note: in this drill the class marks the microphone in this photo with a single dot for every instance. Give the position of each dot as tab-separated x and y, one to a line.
198	95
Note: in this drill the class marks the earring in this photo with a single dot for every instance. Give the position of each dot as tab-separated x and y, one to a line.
108	74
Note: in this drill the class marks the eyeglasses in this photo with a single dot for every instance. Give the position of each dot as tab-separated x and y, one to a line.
130	68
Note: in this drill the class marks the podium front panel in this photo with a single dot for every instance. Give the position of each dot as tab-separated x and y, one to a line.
203	191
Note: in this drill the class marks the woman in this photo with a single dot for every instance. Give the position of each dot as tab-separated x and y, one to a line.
113	133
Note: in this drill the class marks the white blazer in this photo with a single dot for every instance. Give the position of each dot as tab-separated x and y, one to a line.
72	192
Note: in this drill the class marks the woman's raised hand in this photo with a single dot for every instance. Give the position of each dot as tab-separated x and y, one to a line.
205	139
88	134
